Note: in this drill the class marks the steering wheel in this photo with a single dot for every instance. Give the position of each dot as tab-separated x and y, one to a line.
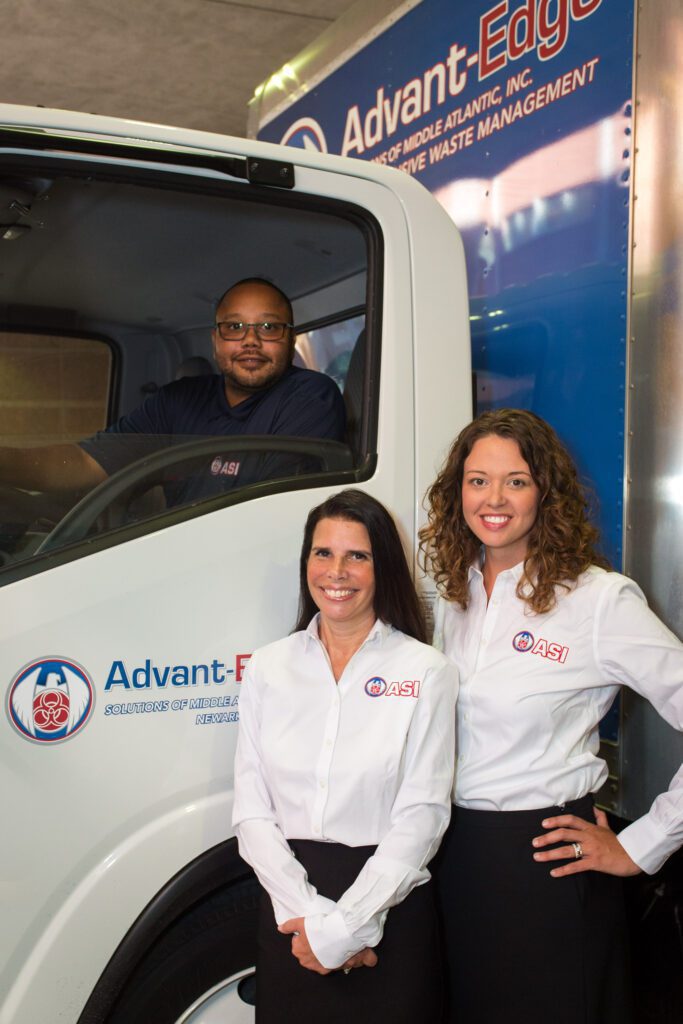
334	457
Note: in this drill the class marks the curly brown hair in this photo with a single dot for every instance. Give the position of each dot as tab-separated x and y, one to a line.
562	542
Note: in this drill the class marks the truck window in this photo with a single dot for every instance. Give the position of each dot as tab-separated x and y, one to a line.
142	260
330	347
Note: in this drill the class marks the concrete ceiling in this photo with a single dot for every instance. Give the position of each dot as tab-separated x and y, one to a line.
191	63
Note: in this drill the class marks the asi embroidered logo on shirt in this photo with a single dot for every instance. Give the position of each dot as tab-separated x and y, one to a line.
524	641
378	687
220	467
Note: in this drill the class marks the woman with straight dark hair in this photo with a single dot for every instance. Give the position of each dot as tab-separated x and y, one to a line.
343	777
543	636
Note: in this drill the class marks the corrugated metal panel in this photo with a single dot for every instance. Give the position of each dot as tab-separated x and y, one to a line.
651	750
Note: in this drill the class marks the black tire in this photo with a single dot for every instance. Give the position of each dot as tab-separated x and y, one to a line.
213	941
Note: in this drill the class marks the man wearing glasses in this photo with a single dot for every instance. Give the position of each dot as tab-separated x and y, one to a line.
253	339
257	391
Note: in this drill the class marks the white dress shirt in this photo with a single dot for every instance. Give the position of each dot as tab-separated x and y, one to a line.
365	761
533	689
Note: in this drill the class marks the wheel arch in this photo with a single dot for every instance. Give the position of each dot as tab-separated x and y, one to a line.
213	870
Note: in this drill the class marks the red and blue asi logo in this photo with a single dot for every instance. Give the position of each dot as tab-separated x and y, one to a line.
50	700
375	687
378	687
225	467
525	641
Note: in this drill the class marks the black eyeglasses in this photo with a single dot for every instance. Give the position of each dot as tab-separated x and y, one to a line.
266	330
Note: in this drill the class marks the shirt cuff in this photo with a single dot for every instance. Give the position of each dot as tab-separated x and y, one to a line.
647	844
318	906
330	939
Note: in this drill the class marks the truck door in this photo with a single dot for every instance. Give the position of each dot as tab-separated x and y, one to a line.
126	618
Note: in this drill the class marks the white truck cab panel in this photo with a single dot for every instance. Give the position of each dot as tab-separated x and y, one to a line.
150	615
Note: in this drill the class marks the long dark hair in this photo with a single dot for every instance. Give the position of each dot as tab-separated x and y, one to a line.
562	542
396	601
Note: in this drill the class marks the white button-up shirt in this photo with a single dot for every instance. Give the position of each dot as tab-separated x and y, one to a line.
533	689
365	761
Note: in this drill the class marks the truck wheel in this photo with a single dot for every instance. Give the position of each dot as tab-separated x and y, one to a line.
201	969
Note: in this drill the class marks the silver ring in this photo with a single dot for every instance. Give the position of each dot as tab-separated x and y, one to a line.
347	970
578	850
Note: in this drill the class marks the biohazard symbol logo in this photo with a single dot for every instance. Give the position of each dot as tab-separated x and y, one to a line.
50	700
50	710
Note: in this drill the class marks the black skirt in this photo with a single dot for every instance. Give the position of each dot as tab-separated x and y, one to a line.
404	988
521	946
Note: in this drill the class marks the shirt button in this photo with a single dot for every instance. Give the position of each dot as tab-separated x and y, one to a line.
328	743
322	783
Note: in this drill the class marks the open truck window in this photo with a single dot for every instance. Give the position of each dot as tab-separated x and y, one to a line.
108	294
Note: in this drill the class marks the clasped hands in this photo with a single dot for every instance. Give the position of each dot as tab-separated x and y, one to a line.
301	949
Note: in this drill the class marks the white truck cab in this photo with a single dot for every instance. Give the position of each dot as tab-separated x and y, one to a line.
126	621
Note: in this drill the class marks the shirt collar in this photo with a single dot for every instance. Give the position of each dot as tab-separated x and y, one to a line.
476	570
378	634
311	631
517	571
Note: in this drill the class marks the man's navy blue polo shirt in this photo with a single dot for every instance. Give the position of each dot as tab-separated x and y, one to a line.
302	403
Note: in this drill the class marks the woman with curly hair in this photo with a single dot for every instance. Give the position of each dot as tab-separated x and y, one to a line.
543	635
